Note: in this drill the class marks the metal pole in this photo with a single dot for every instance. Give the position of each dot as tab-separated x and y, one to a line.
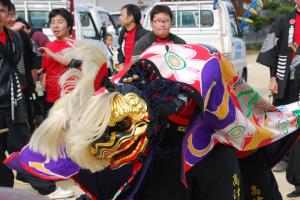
70	7
72	12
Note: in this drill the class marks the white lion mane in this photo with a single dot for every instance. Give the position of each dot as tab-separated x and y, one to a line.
78	118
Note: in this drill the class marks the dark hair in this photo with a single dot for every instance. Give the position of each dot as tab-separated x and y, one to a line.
23	21
160	9
106	36
65	14
11	7
134	11
5	3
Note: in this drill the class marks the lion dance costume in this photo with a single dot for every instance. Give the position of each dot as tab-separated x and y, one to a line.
188	92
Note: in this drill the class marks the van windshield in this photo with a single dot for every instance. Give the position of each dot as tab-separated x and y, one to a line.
190	19
88	29
115	18
36	19
104	18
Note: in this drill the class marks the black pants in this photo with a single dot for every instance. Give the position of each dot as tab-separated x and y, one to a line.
162	181
44	187
292	157
290	95
7	176
13	141
258	179
104	184
293	169
216	177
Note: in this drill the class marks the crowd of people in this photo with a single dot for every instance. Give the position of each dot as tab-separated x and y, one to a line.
31	66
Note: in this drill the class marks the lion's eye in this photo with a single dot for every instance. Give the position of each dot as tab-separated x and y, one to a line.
104	138
123	125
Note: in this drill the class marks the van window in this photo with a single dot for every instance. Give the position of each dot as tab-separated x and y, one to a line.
104	18
21	14
88	30
36	19
233	22
107	22
115	18
206	18
190	18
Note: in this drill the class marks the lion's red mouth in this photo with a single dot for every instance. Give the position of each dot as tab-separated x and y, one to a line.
129	151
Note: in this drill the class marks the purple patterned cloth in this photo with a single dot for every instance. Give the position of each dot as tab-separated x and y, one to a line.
38	165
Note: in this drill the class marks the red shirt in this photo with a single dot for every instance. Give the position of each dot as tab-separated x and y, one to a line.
167	40
3	38
297	29
129	45
53	70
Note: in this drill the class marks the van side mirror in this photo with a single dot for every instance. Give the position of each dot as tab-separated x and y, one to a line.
102	31
240	35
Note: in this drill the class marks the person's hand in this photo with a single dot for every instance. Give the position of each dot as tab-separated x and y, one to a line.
58	57
46	51
294	46
39	71
18	26
69	41
273	85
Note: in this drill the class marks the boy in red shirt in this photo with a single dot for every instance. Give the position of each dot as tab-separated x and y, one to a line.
54	66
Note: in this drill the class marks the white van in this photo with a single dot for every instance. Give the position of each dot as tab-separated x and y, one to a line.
198	23
115	17
36	14
104	20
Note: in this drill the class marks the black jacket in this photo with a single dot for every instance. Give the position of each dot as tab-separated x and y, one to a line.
140	32
9	57
148	39
276	53
11	77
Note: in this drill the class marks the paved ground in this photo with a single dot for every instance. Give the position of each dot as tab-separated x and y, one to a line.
258	77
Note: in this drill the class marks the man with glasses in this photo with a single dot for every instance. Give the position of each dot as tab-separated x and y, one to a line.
161	21
164	175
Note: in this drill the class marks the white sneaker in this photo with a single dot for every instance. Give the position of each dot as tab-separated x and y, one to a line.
21	182
60	193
